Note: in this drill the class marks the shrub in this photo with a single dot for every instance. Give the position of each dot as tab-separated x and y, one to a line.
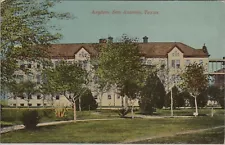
123	112
30	119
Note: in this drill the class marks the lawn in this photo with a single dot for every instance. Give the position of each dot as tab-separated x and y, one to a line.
111	131
214	136
13	115
188	112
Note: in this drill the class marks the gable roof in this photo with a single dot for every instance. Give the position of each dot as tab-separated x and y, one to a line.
150	49
69	50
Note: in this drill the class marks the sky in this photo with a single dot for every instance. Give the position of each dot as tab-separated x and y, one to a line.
193	23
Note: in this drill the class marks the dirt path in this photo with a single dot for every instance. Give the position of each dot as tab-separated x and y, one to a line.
18	127
179	133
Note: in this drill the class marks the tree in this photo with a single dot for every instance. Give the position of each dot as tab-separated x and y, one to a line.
216	94
29	88
194	80
71	80
186	97
178	97
87	101
152	94
120	64
100	84
25	34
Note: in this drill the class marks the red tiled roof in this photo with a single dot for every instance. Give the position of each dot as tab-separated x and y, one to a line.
151	49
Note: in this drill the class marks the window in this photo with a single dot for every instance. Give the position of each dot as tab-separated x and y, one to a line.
95	97
14	97
22	97
38	104
80	63
109	97
56	63
149	62
57	97
118	97
188	62
142	60
30	97
85	64
38	79
22	66
38	97
29	66
178	63
45	104
173	63
22	104
38	65
14	104
29	104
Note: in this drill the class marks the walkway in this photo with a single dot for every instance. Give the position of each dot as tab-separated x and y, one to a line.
19	127
179	133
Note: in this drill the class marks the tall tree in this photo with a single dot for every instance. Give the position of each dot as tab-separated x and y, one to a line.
152	94
70	80
25	34
120	63
194	80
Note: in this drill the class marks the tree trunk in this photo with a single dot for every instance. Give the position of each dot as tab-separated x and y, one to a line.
79	104
43	101
212	112
171	100
100	107
122	101
196	107
74	112
16	103
132	110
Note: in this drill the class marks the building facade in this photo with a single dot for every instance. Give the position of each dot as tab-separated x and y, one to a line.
172	56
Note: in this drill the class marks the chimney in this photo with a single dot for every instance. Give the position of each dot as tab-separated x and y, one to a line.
145	39
102	40
110	39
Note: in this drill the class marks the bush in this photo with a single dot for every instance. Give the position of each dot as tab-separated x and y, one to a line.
123	112
11	115
30	119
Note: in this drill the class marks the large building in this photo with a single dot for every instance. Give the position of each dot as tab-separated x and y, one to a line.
173	56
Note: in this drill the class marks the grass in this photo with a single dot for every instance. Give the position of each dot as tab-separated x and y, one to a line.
214	136
13	115
188	112
111	131
5	124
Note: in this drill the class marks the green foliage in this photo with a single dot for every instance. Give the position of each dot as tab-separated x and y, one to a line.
152	94
65	78
194	79
120	64
30	119
216	94
25	34
87	102
178	98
